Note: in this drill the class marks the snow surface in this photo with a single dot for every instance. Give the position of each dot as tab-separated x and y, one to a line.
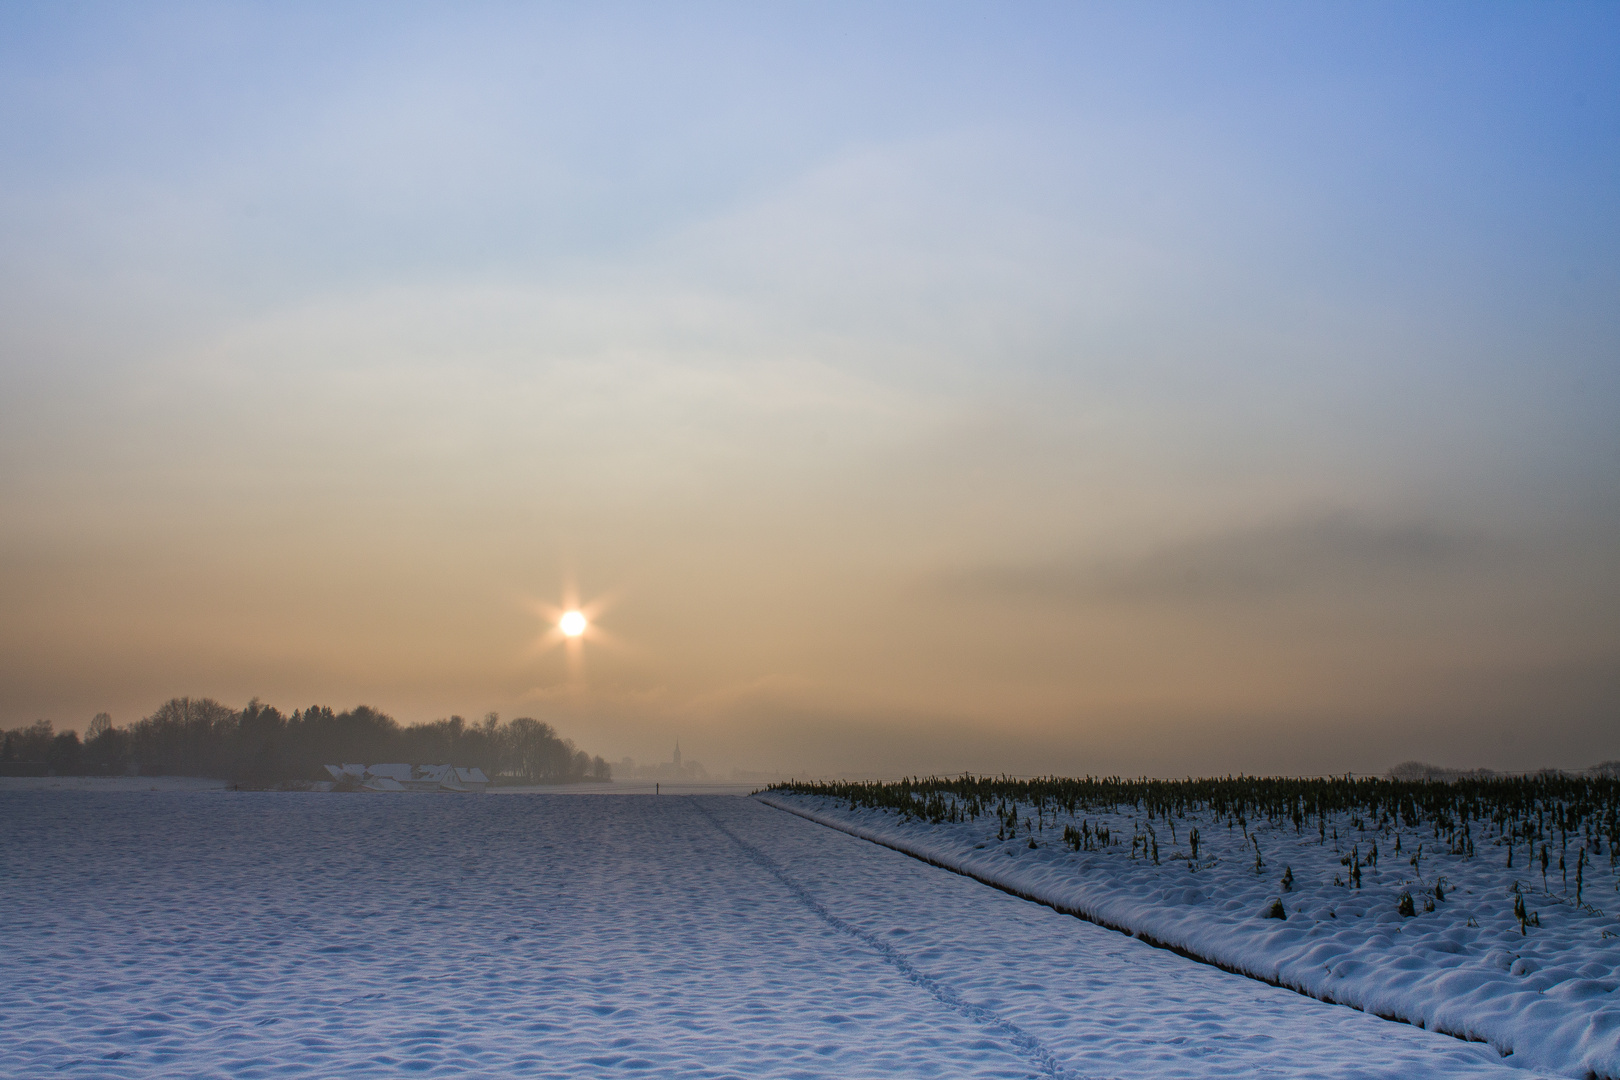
1546	994
259	934
618	786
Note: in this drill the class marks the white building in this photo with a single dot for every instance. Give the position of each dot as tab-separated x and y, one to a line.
400	777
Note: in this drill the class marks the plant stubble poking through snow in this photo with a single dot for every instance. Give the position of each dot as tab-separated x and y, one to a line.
1433	937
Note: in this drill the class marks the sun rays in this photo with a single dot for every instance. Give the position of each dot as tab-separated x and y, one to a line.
571	624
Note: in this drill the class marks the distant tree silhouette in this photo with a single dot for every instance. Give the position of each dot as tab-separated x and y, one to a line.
259	746
27	750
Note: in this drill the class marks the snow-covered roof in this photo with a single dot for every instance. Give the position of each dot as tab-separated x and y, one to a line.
400	777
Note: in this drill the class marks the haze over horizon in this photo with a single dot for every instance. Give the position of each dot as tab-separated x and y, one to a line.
1157	389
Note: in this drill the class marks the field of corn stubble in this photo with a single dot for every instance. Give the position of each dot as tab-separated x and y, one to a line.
1479	907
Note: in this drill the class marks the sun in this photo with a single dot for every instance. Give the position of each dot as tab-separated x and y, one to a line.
571	625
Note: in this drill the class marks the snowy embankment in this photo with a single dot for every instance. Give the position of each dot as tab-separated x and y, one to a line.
1544	993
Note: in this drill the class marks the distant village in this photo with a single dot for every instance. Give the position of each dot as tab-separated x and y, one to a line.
679	768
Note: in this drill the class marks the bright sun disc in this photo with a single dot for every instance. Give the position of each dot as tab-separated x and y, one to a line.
572	624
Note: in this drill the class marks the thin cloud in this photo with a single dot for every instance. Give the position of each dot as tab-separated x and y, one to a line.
1258	563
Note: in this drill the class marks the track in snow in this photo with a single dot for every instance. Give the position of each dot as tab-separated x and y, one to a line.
257	934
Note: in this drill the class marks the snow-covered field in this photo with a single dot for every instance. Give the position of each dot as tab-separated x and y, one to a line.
255	934
1461	963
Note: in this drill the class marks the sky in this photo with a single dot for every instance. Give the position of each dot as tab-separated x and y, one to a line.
1088	388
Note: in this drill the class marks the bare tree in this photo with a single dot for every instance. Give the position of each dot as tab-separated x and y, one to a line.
99	726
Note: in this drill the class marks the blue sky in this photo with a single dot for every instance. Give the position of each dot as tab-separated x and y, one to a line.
929	386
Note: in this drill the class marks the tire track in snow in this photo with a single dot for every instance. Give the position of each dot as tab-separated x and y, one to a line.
1025	1043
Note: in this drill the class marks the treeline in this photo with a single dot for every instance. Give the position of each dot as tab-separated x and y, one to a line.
259	746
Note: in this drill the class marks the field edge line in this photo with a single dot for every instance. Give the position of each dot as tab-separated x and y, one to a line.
1108	924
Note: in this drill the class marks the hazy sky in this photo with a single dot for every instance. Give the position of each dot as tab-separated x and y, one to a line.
1026	387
